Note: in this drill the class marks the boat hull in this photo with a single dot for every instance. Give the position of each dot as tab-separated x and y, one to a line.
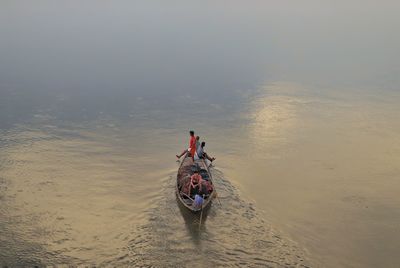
184	171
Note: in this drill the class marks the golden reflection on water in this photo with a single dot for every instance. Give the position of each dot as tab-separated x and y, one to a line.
273	117
324	165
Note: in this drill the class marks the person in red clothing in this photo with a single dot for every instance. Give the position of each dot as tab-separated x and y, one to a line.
195	184
192	146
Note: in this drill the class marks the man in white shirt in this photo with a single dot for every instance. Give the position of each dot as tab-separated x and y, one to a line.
203	155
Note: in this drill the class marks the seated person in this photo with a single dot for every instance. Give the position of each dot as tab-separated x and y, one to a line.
195	184
203	155
198	186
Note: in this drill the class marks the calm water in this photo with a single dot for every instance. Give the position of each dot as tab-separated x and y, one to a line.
299	102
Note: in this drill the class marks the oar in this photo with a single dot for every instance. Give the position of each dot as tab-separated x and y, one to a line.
216	194
201	213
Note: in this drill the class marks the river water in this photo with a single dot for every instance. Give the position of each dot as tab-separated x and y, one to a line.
299	103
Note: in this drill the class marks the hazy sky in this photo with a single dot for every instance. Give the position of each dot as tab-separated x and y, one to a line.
158	46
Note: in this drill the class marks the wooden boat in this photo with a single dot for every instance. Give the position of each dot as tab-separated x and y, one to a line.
184	172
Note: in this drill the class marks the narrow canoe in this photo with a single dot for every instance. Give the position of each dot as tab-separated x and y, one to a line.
186	170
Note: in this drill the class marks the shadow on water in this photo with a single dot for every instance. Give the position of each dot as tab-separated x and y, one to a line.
192	221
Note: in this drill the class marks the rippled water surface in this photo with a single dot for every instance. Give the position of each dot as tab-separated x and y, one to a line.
299	102
79	197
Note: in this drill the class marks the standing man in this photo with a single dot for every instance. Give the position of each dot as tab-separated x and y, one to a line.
192	146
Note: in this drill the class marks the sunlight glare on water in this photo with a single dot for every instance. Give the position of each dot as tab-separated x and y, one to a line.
297	100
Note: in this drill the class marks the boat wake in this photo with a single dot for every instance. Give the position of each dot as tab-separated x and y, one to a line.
232	234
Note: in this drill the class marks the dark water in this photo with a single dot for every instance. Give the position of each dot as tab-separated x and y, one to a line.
299	103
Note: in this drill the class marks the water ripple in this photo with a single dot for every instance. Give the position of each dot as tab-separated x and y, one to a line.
232	235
